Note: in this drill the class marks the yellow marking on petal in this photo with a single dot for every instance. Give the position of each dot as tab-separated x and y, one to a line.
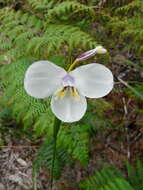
74	92
61	93
70	90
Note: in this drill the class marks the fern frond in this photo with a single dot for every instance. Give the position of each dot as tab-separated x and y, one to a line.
75	139
24	31
131	8
45	158
41	5
128	30
69	8
25	107
106	179
101	179
135	175
59	36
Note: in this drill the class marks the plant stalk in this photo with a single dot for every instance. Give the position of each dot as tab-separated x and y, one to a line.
56	128
72	66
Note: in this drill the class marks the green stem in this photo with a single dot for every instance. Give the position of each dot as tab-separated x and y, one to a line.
57	124
56	128
72	66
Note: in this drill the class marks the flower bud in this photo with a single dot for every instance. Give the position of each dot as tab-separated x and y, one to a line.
100	50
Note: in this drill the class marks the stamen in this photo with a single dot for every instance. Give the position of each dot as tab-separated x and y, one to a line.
74	92
71	91
60	94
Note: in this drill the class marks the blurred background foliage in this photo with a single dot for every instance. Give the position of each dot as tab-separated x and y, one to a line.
59	31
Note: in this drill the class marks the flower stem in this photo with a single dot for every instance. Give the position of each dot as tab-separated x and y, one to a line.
72	66
56	128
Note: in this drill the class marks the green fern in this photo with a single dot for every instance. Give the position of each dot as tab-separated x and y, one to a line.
105	178
24	106
131	8
41	5
75	139
45	158
69	8
22	31
126	26
112	178
135	175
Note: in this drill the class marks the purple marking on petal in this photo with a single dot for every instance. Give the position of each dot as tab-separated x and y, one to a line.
67	78
86	55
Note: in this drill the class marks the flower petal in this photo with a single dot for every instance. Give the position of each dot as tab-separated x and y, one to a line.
88	54
93	80
43	78
69	108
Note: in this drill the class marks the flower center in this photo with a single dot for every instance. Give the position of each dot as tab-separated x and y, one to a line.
67	80
68	88
69	91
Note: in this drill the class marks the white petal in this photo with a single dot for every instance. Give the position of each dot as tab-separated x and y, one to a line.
43	78
68	108
93	80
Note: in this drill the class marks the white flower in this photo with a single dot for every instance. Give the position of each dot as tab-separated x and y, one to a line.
68	90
